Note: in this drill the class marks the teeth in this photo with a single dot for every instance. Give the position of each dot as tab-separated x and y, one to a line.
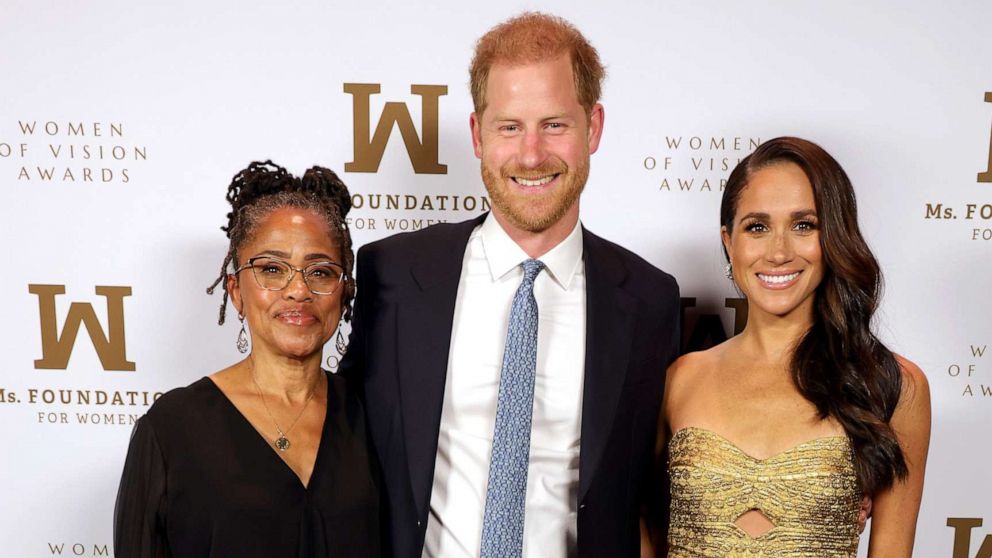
537	182
778	279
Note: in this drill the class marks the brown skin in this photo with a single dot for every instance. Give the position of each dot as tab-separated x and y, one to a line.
288	331
533	127
742	389
893	524
763	251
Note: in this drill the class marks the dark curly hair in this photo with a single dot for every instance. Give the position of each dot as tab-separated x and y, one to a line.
839	365
260	189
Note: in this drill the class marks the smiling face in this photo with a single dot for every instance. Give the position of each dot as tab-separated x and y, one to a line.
774	246
292	322
534	140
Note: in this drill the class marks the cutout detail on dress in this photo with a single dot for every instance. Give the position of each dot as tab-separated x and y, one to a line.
754	522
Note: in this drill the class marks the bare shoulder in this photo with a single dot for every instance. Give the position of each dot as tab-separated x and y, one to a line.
915	387
911	419
896	508
688	367
687	374
695	366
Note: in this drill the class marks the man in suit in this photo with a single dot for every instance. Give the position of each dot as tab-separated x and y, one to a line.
513	365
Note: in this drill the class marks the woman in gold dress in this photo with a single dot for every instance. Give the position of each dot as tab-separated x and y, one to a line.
775	435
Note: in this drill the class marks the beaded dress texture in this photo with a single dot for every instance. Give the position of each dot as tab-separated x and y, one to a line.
809	493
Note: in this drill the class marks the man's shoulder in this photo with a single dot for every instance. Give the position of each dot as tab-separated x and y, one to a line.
434	237
640	271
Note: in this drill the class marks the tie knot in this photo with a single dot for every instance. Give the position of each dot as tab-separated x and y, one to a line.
531	269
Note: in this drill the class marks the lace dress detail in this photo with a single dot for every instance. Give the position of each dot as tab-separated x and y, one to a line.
809	493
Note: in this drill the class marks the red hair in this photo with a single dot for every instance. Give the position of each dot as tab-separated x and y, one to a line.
535	37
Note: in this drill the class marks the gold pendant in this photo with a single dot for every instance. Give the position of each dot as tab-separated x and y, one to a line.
282	443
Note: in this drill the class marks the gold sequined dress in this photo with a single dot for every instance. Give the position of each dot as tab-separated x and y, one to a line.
809	493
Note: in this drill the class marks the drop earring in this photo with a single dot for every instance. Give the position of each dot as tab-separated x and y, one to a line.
729	271
242	336
339	344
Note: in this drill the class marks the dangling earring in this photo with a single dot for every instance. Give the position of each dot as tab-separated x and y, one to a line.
242	336
339	345
729	271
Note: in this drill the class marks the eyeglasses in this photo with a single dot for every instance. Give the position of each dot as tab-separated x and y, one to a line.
272	274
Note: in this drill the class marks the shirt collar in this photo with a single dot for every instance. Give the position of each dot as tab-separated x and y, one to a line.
504	255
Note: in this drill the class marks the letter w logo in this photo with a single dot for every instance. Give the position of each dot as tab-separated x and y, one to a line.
962	537
369	148
987	175
57	348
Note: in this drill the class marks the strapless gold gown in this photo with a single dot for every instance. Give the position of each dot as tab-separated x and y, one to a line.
810	493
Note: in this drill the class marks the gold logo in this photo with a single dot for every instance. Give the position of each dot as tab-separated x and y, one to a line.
962	538
370	148
56	348
987	175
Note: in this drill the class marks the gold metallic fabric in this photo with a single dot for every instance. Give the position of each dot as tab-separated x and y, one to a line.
809	492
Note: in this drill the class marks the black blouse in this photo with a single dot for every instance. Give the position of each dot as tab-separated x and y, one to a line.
200	481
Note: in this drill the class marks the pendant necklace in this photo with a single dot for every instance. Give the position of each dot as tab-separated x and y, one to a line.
282	442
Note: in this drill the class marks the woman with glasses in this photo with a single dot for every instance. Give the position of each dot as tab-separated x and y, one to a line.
268	457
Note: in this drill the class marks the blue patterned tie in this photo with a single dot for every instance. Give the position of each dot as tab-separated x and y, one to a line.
506	495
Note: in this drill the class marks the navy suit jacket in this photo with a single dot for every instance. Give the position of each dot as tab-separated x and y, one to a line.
399	345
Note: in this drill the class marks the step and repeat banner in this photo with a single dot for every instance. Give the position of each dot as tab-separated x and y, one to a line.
122	124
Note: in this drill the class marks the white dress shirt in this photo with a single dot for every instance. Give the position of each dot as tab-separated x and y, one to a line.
491	274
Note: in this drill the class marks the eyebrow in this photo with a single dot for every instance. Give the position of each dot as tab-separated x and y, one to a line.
276	253
500	119
795	214
286	256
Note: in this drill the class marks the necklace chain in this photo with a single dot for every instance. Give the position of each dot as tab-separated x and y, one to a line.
282	442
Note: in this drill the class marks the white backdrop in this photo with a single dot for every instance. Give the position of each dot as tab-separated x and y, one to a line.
179	96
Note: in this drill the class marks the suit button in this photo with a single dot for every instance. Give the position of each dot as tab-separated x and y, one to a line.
582	506
418	524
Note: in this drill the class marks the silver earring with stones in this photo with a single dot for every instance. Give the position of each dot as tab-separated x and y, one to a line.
242	336
728	270
339	343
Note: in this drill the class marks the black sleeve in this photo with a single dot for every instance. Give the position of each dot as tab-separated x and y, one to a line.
139	515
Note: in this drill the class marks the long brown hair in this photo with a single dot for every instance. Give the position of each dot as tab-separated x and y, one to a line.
839	365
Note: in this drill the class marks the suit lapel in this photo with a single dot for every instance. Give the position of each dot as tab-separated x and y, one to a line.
423	338
610	314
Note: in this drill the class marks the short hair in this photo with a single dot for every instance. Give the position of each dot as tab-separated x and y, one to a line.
534	37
